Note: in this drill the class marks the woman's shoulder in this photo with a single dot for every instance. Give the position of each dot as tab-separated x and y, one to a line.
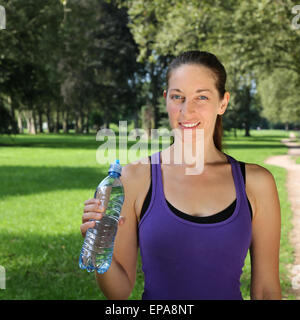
136	180
257	174
136	174
260	184
136	170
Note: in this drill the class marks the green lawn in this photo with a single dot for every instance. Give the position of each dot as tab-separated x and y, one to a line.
44	181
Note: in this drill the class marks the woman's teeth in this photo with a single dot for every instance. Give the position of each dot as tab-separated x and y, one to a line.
190	125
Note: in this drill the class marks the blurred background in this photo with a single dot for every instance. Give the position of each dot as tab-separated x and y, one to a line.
75	66
71	67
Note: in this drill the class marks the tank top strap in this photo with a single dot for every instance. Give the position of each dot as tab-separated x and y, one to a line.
155	163
160	196
156	174
238	177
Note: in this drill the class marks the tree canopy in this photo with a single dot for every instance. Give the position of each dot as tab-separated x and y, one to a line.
87	63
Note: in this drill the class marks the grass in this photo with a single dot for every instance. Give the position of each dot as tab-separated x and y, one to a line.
44	182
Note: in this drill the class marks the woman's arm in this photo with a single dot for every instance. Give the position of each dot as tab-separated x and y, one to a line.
118	282
266	225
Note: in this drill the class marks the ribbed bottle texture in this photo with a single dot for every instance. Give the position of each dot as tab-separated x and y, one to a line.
97	250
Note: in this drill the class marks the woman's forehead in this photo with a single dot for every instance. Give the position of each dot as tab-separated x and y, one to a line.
193	77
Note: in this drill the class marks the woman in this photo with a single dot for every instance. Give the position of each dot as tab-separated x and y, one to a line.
191	247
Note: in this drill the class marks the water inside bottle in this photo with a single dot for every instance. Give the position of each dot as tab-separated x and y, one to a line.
97	249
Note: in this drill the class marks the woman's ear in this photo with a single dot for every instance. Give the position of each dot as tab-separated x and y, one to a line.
224	103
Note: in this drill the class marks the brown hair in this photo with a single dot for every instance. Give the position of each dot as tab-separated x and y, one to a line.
210	61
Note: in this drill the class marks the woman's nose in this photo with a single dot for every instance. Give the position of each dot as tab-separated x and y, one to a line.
188	106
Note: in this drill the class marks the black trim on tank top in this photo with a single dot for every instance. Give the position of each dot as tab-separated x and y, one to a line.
217	217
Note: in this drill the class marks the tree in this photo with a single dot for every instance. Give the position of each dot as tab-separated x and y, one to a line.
26	49
233	30
280	96
99	62
72	59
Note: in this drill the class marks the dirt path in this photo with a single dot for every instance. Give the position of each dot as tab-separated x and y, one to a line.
293	188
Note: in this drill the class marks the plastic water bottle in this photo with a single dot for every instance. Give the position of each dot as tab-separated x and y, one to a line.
98	245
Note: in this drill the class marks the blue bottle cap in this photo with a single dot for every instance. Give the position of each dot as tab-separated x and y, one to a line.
115	167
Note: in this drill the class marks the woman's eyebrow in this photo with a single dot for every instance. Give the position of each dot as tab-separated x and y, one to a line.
198	90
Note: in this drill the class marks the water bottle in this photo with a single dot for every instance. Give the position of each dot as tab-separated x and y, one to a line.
97	250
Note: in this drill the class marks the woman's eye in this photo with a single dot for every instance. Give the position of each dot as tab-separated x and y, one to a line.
176	97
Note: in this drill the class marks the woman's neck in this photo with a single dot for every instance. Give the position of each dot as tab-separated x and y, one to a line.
187	154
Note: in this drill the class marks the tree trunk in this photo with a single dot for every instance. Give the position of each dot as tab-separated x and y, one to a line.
65	116
106	124
40	121
247	129
81	122
49	120
136	119
154	81
286	126
30	121
34	121
20	125
57	121
247	101
148	118
76	123
87	129
137	110
106	121
13	117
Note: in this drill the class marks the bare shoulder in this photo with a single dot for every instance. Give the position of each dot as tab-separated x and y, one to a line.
258	176
135	172
260	185
135	176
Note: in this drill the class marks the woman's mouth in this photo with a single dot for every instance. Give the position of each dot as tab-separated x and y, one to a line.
189	125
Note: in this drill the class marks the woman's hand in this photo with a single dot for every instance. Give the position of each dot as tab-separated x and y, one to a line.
93	210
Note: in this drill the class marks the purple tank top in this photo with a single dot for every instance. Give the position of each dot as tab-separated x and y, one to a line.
185	260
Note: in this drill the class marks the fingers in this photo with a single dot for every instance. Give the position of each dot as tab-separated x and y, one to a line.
93	205
94	208
87	223
91	215
85	226
93	211
92	201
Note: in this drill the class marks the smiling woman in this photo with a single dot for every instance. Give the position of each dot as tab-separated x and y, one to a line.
194	231
191	71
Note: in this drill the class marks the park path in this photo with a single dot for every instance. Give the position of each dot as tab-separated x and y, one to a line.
287	161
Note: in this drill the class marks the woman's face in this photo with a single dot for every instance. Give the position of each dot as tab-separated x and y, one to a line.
193	100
